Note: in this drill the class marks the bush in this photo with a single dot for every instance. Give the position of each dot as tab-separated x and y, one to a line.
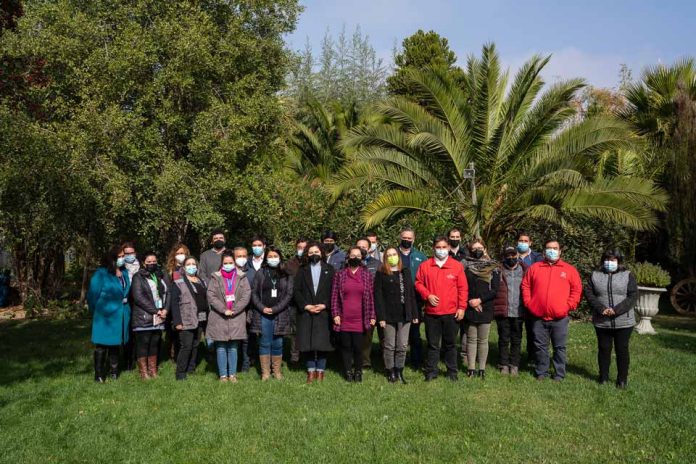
650	275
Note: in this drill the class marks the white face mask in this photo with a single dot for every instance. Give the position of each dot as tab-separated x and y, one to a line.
441	253
180	258
240	262
373	247
273	262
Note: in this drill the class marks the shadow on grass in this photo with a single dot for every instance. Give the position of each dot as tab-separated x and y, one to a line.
43	348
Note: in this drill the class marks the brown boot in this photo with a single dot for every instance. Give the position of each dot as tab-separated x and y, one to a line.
311	375
152	366
277	362
320	376
265	363
142	368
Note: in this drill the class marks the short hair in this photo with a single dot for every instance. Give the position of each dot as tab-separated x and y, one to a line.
147	254
407	229
363	239
439	238
238	248
453	229
553	239
329	234
370	233
613	253
259	238
128	244
300	240
215	232
522	233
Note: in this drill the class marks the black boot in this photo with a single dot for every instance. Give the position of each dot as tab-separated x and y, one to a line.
400	375
391	375
350	377
99	361
470	373
357	377
113	364
482	374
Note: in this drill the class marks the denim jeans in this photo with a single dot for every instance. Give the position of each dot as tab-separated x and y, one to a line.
269	343
555	331
316	361
226	358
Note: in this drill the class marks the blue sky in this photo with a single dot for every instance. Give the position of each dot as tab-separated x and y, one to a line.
588	38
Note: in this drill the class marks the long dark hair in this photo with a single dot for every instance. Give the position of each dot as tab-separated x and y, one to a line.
108	259
281	267
305	256
613	253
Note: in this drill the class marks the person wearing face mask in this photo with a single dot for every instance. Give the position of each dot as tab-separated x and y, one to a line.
412	258
150	294
175	264
612	292
312	296
132	265
107	299
333	255
353	311
372	265
229	295
253	265
189	309
550	290
374	250
293	265
395	305
441	282
271	299
210	259
454	239
524	248
130	258
483	279
509	311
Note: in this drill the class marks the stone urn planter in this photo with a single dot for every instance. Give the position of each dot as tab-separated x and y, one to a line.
647	308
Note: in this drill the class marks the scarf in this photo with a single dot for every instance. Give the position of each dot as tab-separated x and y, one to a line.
482	268
230	281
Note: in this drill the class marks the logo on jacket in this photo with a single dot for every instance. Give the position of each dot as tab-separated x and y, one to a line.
563	275
451	276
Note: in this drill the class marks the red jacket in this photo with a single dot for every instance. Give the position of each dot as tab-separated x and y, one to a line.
448	283
551	291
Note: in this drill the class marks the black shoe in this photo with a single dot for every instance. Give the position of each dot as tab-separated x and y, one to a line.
481	373
99	361
602	381
357	377
452	376
391	375
430	377
470	372
349	376
400	375
621	384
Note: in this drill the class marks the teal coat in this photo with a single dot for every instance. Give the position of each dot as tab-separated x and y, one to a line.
110	315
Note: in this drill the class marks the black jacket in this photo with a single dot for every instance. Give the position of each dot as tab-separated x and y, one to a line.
314	330
282	310
479	288
388	297
142	301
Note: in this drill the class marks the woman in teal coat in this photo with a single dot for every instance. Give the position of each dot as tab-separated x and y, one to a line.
108	303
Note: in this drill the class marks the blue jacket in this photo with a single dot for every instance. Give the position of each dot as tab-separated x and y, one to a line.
110	314
531	258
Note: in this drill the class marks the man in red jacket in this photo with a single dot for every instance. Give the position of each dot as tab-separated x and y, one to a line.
550	290
441	282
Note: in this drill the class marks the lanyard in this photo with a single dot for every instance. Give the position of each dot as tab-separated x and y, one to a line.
230	282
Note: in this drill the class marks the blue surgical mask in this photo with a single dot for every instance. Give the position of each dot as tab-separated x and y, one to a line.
441	253
522	247
192	269
130	259
273	262
120	262
257	251
300	252
551	254
228	267
611	266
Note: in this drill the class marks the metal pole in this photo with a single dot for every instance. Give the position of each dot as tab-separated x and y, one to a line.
477	225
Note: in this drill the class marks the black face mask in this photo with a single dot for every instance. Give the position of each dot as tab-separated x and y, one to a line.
510	262
354	262
454	243
329	247
406	244
314	259
477	254
219	244
152	268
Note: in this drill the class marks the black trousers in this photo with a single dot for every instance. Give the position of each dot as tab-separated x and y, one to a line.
187	352
101	354
529	330
147	343
416	345
619	338
129	351
441	328
351	350
509	340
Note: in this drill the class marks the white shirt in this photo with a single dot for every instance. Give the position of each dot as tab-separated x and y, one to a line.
439	262
257	262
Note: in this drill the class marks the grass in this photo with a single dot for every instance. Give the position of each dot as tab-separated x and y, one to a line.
52	411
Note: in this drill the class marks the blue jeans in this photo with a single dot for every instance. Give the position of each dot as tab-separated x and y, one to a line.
316	361
268	343
555	331
226	358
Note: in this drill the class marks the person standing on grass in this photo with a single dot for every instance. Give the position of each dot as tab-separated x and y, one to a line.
272	303
550	290
132	265
483	279
509	311
175	264
189	310
334	255
292	267
107	299
612	292
353	310
150	294
527	256
395	305
441	282
313	301
412	258
372	265
210	259
229	295
258	250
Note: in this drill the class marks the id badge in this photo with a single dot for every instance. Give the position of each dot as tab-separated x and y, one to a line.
229	298
202	317
158	303
125	301
274	293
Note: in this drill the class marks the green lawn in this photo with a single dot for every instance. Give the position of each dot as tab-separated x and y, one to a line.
52	411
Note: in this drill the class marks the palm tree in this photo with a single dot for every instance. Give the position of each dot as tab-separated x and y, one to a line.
533	158
313	152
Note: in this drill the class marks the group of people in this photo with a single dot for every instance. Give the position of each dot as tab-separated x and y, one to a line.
244	306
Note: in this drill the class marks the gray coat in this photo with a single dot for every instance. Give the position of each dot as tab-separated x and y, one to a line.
210	262
223	328
184	308
617	290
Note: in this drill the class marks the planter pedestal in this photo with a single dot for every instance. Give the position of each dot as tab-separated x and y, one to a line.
647	308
